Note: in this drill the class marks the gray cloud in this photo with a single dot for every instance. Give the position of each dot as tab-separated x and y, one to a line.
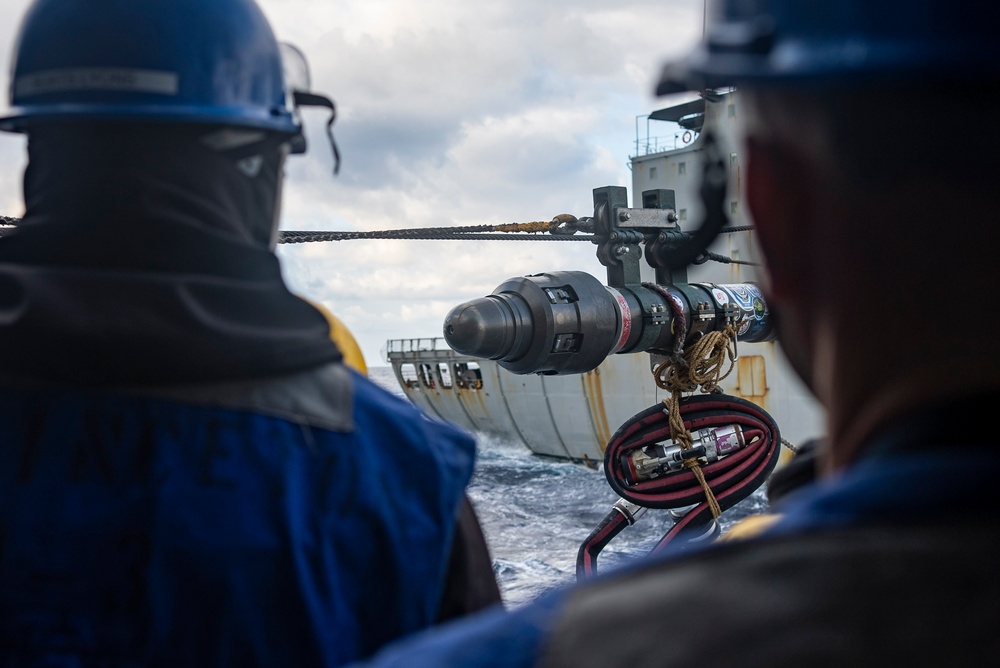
450	113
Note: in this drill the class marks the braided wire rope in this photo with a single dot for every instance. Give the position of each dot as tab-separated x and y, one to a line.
502	232
791	446
715	257
443	234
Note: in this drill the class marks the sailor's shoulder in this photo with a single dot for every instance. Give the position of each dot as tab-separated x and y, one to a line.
321	397
378	410
791	598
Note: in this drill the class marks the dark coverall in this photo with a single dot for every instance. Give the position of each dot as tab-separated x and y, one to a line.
893	563
190	475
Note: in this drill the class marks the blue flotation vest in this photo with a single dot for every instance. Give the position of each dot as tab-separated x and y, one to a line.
143	530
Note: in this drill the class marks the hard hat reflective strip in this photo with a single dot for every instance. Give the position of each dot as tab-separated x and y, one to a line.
100	78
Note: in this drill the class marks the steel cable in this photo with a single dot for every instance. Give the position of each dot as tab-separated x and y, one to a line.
427	234
533	231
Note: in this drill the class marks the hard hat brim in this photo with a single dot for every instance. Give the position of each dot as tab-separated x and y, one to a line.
829	62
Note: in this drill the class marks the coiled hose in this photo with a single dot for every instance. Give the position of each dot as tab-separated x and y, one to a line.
731	478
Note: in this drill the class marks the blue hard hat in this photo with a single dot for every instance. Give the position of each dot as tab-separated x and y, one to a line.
194	61
776	42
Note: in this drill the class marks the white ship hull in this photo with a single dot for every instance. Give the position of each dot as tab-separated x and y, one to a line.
574	416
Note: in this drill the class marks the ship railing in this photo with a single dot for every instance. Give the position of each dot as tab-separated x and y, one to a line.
424	348
648	143
673	142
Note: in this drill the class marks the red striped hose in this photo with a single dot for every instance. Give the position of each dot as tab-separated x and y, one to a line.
732	478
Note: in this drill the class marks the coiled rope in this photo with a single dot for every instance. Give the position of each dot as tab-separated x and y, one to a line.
720	484
700	367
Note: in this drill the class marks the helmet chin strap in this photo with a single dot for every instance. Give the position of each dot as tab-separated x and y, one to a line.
279	187
298	144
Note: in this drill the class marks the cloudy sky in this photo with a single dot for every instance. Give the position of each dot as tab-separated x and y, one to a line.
451	112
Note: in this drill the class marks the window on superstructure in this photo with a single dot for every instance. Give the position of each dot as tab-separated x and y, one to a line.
733	159
732	111
682	168
652	173
734	207
682	214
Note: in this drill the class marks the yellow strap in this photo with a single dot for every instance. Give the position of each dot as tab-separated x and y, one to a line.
750	527
341	335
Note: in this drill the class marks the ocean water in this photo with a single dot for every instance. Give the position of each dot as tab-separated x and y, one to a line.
536	511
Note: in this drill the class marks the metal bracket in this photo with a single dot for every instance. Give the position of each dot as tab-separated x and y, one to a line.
647	218
621	231
618	248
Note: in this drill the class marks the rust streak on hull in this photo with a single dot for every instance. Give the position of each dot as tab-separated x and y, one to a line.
595	399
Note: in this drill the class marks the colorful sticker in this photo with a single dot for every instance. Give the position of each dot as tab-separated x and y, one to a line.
720	296
752	309
757	331
740	294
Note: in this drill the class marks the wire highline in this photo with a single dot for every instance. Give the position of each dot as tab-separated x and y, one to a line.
429	234
504	232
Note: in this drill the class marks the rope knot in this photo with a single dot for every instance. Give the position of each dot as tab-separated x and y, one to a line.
699	366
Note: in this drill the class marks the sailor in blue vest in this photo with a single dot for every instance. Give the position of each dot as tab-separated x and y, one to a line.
189	475
871	144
